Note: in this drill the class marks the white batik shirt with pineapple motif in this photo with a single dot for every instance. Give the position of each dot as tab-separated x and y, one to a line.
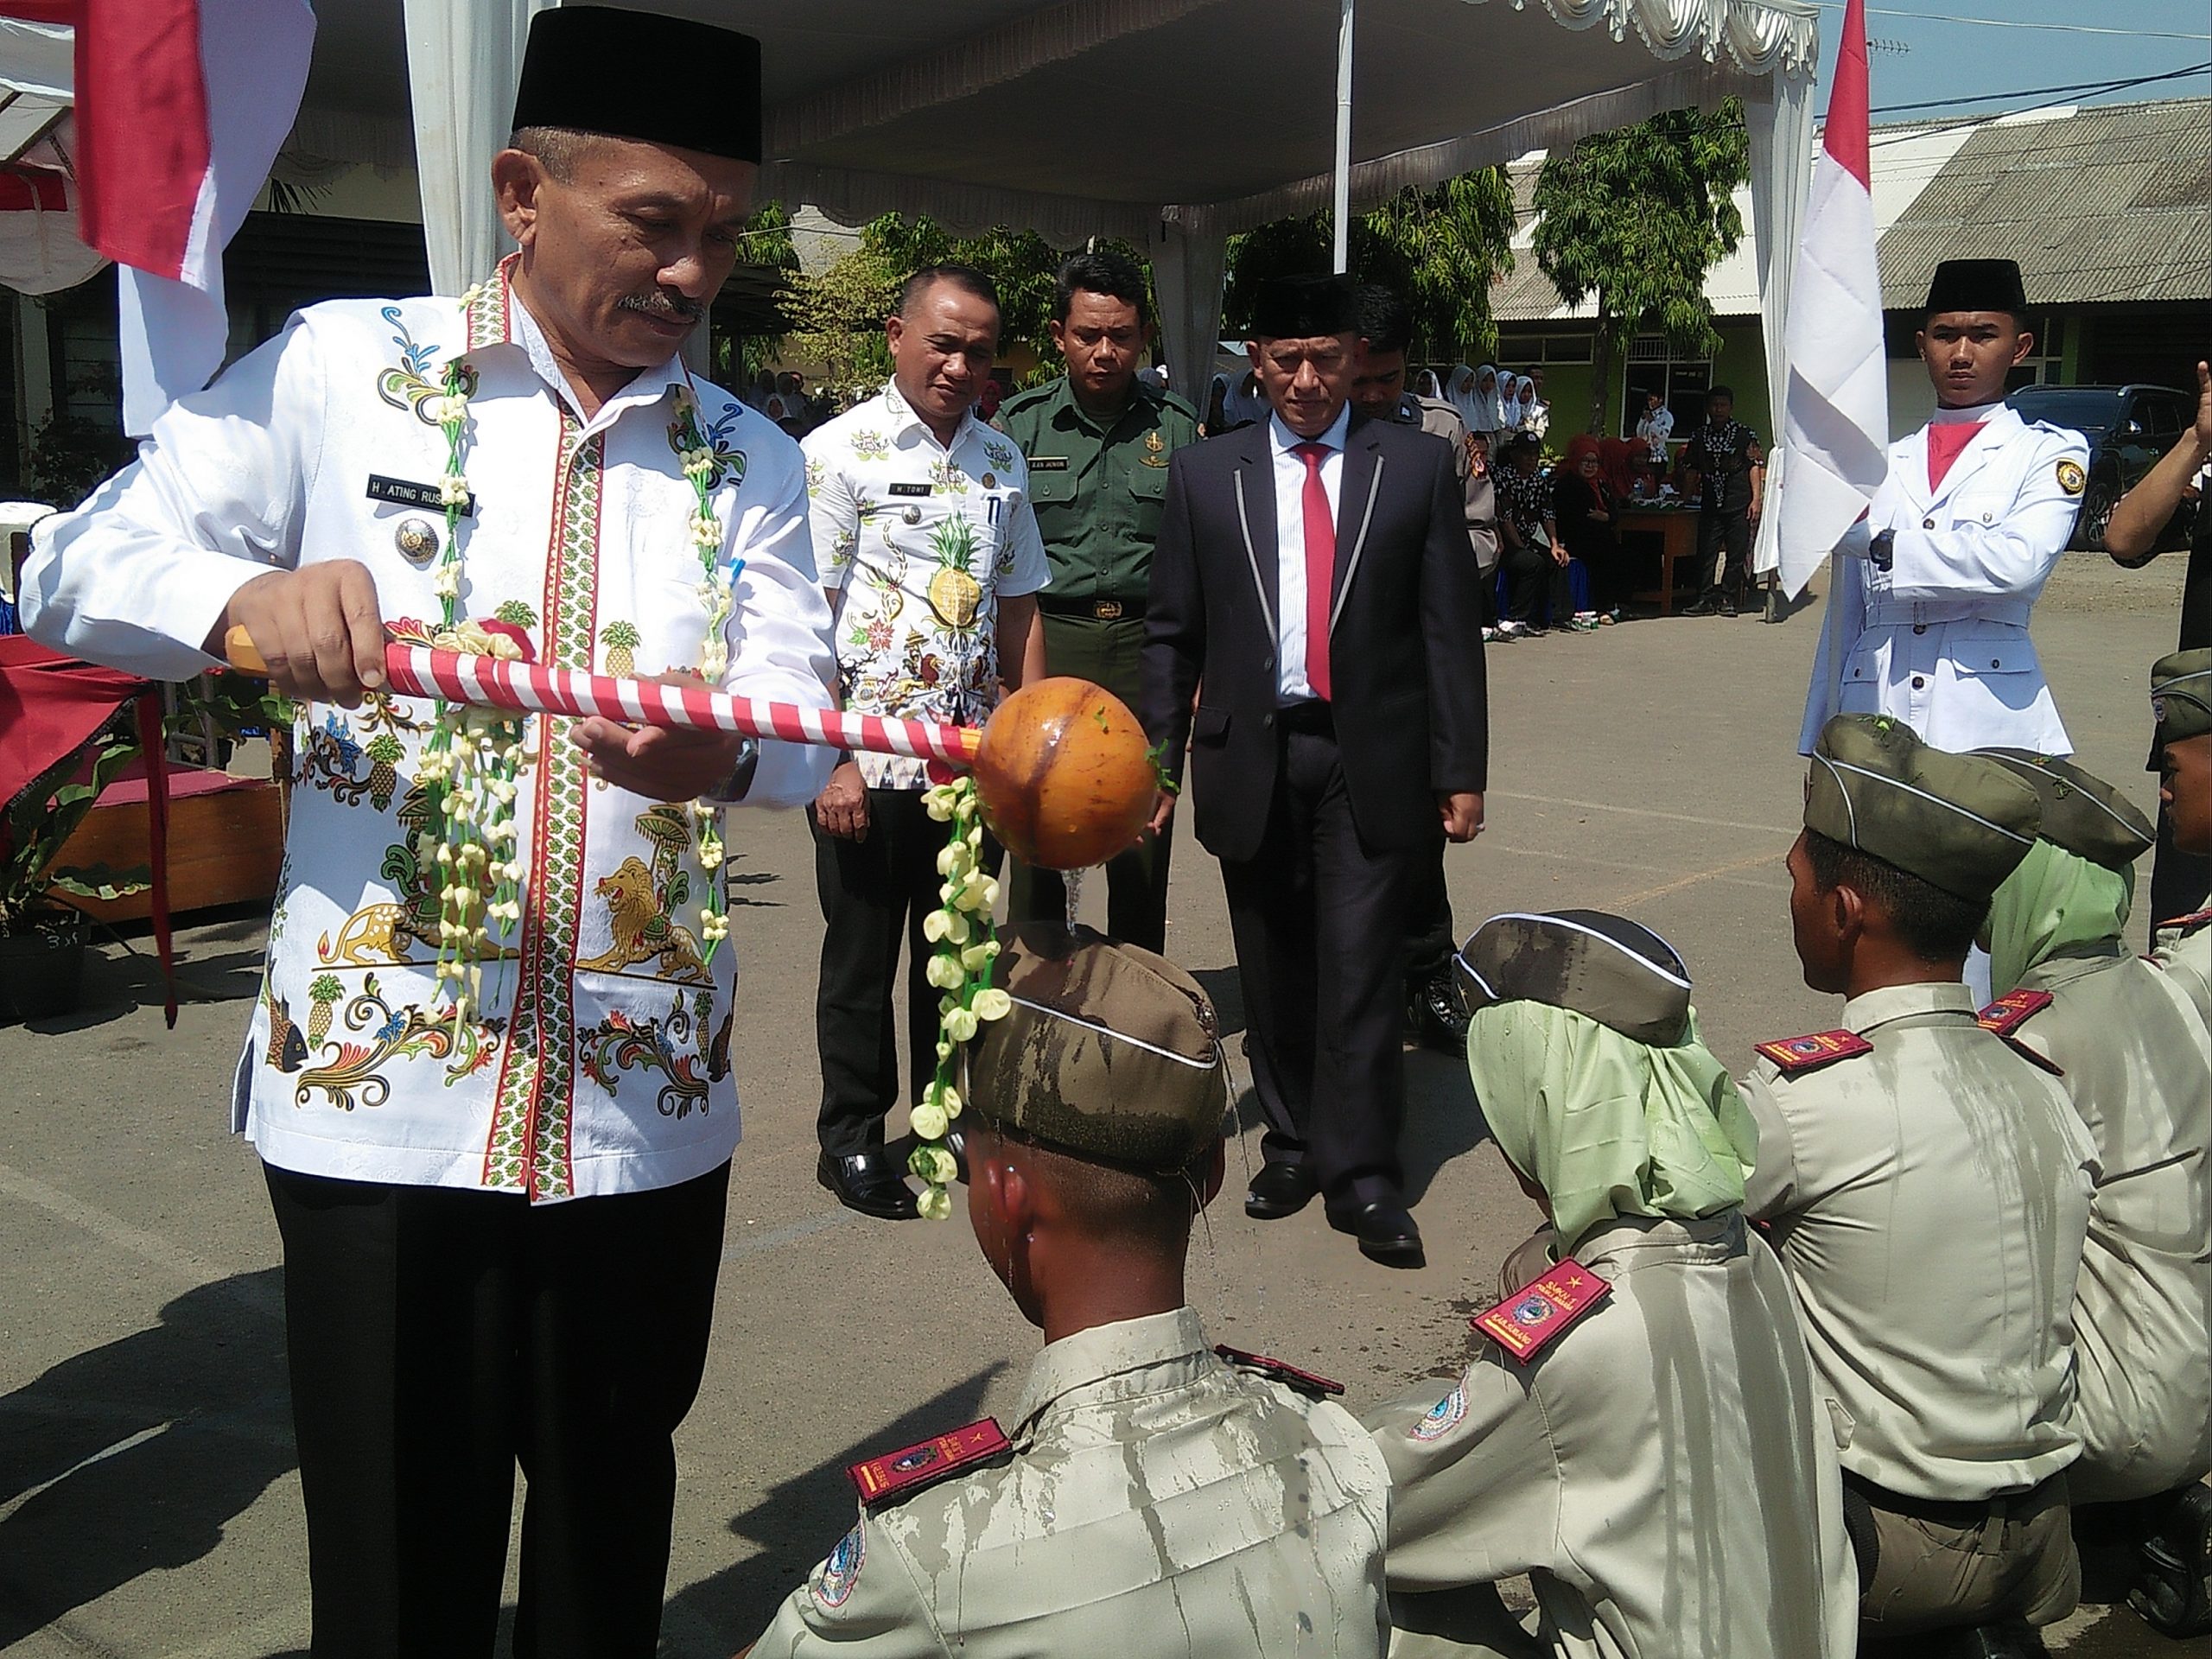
916	543
597	1058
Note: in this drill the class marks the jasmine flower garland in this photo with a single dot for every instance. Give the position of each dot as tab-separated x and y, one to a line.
961	968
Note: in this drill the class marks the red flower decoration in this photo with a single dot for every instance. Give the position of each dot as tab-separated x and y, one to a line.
940	772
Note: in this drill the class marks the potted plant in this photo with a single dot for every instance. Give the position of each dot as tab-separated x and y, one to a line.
42	942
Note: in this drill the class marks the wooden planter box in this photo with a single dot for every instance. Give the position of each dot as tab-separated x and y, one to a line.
227	841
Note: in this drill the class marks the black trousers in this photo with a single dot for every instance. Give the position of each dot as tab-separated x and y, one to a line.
875	894
1320	922
1531	575
438	1337
1430	941
1716	531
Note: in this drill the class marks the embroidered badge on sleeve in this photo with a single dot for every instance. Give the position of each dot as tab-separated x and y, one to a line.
1529	1320
901	1474
1809	1053
833	1584
2071	478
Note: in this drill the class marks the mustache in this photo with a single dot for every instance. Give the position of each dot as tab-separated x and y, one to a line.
658	304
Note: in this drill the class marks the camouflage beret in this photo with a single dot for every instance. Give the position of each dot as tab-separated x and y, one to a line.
1604	967
2181	694
2081	812
1959	822
1110	1052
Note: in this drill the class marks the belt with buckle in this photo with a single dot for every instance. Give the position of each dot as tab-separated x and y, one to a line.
1099	610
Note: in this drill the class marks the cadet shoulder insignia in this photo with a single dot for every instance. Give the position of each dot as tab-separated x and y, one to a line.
2071	478
901	1474
1796	1055
1533	1316
2013	1010
1306	1382
2184	924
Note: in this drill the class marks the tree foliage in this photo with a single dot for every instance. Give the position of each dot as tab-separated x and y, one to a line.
1441	248
1637	219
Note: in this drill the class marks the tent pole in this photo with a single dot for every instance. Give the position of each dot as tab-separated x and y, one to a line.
1341	217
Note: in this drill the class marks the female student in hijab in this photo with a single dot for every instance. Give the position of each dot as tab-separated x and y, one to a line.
1459	392
1530	412
1640	1433
1509	401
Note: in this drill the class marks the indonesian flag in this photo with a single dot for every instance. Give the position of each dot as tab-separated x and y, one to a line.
1836	414
182	105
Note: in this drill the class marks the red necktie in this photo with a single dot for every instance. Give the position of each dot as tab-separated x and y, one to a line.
1320	566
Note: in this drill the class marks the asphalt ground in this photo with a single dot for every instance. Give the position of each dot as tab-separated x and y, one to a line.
149	1500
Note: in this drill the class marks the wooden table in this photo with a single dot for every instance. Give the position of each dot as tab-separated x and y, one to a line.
1676	528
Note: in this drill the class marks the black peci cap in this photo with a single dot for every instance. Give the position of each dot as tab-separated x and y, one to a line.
1306	308
1977	285
637	74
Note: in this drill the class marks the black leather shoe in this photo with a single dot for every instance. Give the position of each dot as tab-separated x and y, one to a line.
1385	1230
2174	1595
1440	1016
1281	1189
870	1183
1706	605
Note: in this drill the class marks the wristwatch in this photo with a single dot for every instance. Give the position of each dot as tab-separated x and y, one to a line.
1881	550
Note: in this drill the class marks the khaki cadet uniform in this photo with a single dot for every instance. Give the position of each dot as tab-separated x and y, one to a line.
1154	1496
1928	1187
1655	1460
2181	700
2137	1062
1098	492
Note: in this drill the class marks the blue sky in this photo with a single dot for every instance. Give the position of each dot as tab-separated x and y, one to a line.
2111	41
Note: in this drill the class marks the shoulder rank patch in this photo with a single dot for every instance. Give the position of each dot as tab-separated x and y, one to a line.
1796	1054
2188	924
1306	1382
2013	1010
2071	478
1533	1316
901	1474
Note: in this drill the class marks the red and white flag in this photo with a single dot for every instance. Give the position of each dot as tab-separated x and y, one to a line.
1836	415
180	107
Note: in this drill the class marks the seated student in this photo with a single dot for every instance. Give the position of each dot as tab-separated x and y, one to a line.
1587	513
1640	1433
1529	550
2135	1060
1152	1499
1928	1186
2181	701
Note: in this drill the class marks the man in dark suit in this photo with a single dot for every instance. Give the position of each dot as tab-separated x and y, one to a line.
1312	572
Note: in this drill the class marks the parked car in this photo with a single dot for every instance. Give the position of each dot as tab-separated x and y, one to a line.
2128	428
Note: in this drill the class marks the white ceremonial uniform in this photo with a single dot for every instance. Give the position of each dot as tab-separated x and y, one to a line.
600	1062
918	542
1940	639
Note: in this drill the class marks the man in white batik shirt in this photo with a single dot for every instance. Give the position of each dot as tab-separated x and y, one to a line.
932	558
445	1315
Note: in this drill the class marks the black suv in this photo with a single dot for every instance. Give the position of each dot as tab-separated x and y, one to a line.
2128	428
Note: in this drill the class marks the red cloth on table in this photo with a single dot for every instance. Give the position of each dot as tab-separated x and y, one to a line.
1945	442
50	707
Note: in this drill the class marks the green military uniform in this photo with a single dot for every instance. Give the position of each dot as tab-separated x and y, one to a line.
1928	1186
1098	491
2181	700
1640	1431
1153	1496
2136	1062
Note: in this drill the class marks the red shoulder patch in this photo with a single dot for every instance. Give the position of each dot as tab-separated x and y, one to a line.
2013	1010
1533	1316
2188	924
900	1474
1810	1053
1310	1383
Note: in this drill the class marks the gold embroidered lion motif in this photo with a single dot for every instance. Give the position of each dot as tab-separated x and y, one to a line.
643	932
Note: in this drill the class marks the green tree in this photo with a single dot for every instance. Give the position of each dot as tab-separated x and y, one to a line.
1441	248
1637	219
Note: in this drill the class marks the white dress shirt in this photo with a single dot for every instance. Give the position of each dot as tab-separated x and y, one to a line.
1655	428
1291	684
598	1058
897	518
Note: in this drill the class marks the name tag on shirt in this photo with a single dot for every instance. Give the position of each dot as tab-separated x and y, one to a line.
912	489
405	493
1048	463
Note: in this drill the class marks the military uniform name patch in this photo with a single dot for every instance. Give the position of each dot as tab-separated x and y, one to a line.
898	1474
1809	1053
1048	463
1308	1383
1530	1319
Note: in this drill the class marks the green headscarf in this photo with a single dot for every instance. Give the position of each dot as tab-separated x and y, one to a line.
2054	901
1606	1125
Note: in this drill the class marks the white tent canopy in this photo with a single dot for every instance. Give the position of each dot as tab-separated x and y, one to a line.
1170	124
